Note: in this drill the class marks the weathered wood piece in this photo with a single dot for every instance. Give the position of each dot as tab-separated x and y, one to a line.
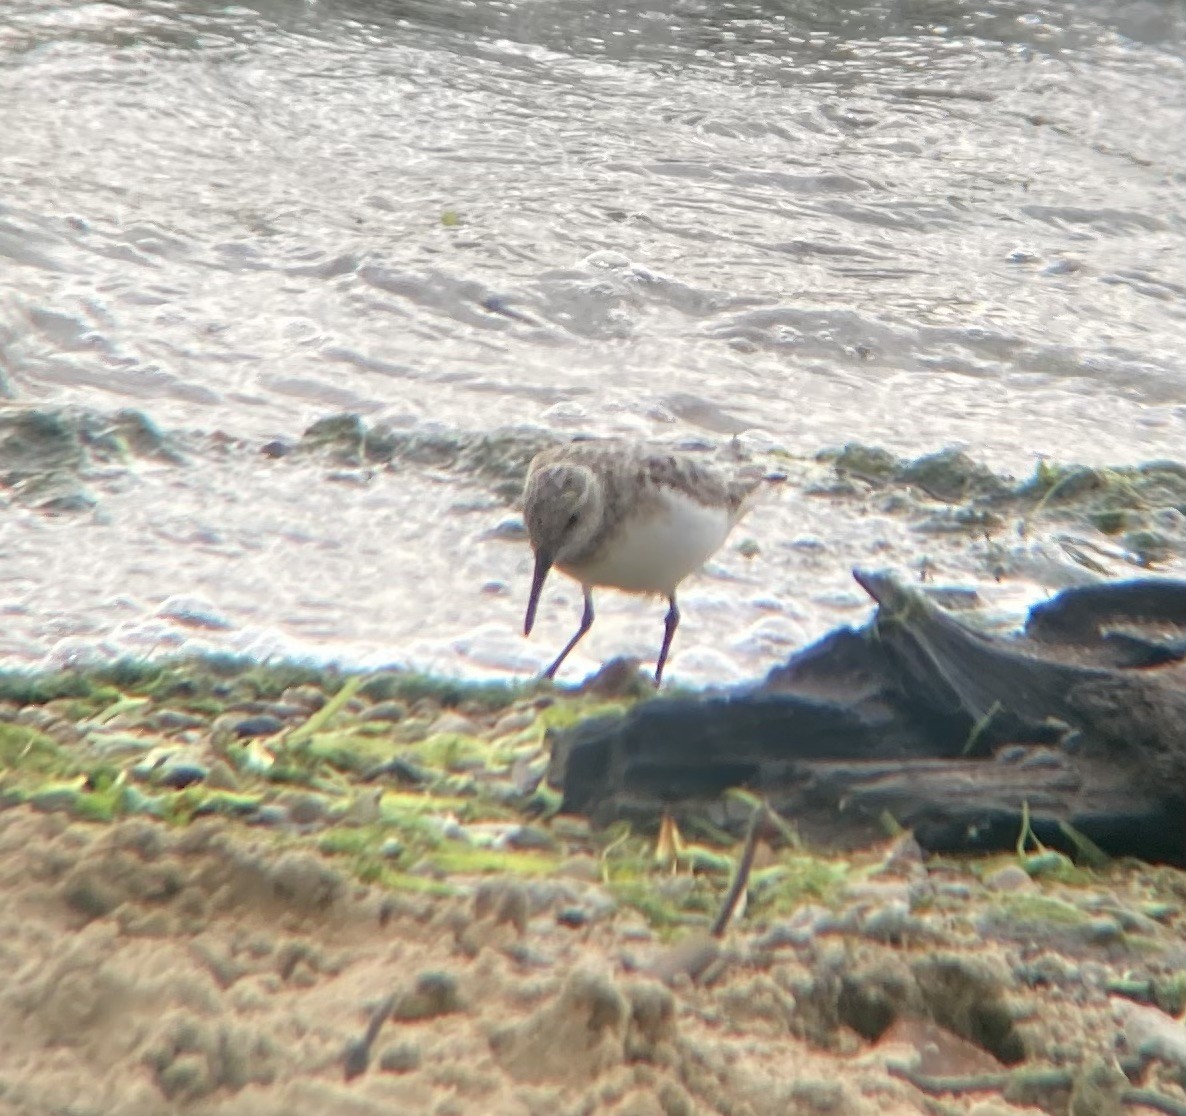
919	717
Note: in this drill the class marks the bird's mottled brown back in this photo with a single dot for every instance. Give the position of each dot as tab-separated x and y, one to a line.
621	465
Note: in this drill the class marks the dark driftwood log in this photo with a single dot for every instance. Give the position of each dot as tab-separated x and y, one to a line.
918	716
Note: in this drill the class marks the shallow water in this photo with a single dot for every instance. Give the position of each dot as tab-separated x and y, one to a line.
909	225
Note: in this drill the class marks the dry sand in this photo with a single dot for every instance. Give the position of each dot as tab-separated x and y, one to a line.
211	969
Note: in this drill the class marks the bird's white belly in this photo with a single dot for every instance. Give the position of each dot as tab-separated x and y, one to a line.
654	550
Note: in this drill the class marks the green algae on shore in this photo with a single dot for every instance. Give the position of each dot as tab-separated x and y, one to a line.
404	781
1128	502
47	455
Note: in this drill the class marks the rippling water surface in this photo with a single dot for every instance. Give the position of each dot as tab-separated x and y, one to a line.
909	224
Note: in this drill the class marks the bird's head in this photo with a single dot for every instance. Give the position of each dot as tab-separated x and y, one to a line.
562	510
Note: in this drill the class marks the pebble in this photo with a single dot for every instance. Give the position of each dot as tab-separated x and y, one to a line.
277	447
308	698
1049	969
263	724
510	529
805	924
1134	922
403	1057
1160	911
1011	753
453	723
178	773
435	993
1103	931
819	1096
392	711
172	720
528	837
115	745
1012	877
891	923
304	809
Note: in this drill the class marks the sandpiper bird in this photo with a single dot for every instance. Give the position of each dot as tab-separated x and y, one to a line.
617	514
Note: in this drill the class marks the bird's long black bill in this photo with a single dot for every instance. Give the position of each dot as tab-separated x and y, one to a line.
542	565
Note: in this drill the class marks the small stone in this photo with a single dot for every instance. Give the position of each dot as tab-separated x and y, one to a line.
454	724
403	1057
271	815
572	917
531	837
308	698
804	925
1162	912
393	711
90	896
180	773
435	994
819	1096
304	809
510	529
891	923
1103	931
186	1075
172	720
262	725
1012	877
277	447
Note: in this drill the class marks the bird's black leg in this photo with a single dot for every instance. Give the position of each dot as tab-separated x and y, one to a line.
669	626
586	624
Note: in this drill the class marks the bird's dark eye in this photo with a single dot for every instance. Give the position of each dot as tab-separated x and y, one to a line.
573	520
